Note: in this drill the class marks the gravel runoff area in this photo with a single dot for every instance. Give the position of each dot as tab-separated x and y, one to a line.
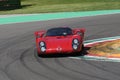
108	49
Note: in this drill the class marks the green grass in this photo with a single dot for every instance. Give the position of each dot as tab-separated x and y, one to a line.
48	6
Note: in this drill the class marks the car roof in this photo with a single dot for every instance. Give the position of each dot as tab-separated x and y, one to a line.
59	31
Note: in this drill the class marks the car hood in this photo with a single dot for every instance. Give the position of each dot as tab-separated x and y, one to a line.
55	42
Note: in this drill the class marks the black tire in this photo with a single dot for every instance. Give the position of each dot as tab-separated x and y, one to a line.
83	47
82	50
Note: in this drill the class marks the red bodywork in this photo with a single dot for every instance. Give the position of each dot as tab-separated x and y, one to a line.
59	44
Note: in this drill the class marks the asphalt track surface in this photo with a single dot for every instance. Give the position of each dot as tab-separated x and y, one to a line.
18	60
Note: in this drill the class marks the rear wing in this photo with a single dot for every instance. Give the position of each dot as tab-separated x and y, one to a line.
39	34
76	30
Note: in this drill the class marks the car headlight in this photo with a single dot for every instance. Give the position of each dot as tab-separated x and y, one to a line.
75	44
42	46
75	41
43	49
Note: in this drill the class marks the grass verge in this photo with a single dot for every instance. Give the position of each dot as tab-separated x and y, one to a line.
48	6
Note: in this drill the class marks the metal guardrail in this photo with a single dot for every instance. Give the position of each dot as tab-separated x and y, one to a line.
9	4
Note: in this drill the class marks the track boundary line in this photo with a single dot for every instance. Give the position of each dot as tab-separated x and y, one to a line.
10	19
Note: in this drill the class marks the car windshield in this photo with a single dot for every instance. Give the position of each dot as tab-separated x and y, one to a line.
59	32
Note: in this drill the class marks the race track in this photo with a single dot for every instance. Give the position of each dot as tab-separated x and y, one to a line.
18	60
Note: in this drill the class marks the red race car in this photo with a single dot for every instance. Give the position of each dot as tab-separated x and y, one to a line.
59	40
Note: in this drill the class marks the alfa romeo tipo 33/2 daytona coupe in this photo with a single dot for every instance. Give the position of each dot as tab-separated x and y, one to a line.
60	40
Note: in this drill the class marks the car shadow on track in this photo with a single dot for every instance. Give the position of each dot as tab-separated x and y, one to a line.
82	53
